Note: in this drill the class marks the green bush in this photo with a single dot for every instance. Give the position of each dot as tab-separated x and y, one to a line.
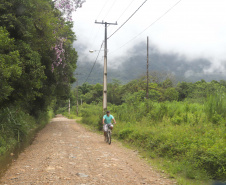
178	131
92	115
16	125
124	133
177	120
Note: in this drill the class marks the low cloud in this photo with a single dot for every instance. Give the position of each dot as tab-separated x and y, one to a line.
191	33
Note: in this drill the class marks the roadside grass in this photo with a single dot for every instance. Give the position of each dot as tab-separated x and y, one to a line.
182	171
16	126
187	140
168	168
72	115
165	167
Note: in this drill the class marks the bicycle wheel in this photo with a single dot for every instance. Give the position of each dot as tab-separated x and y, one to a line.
109	137
106	138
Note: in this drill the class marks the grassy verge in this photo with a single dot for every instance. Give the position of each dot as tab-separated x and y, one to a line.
159	164
183	139
16	126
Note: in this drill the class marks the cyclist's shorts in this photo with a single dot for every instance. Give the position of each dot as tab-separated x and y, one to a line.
105	127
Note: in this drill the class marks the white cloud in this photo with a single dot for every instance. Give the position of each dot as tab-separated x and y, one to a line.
194	28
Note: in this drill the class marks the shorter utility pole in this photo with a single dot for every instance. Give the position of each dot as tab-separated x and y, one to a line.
77	98
147	90
69	106
77	93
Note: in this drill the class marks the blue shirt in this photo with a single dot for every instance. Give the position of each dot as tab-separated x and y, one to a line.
107	119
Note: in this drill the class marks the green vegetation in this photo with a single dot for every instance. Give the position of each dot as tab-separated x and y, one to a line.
184	124
17	125
134	65
37	62
176	131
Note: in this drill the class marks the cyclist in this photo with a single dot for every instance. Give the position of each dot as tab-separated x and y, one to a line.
107	122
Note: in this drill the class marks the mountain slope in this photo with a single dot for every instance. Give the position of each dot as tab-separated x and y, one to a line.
135	66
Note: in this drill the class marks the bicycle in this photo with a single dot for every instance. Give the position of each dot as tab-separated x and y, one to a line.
108	135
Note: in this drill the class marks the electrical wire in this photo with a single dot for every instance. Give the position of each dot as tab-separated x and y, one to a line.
95	36
110	9
127	19
125	9
103	19
95	61
102	9
148	26
92	33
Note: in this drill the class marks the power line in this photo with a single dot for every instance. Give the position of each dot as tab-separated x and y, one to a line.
92	30
106	14
148	26
101	9
110	9
95	37
127	19
125	9
95	61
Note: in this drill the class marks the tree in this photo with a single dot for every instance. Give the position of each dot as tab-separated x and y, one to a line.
154	92
159	77
85	88
135	85
170	94
167	83
68	6
114	92
223	83
10	64
41	52
184	89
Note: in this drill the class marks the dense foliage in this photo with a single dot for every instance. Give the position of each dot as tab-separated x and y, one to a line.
182	133
160	89
37	62
182	123
134	65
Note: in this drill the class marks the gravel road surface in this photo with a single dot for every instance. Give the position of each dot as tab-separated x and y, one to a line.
64	152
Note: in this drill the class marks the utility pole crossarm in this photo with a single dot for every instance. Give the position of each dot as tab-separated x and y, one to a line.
106	23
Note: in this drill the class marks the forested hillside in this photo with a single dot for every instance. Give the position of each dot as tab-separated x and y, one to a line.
37	62
134	64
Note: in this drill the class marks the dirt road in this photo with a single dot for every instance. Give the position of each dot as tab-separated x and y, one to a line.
64	152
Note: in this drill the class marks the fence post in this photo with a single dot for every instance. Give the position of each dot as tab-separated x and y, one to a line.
18	135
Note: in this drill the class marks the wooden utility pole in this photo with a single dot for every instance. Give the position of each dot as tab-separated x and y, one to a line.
147	91
77	98
77	93
105	64
69	106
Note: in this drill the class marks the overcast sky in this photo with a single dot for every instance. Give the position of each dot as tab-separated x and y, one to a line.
193	28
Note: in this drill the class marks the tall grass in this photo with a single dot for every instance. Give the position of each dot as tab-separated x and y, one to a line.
190	135
215	107
16	125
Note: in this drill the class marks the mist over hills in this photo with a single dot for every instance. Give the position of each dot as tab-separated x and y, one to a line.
134	64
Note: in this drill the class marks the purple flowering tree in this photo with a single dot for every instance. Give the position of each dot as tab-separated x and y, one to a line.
59	53
68	6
